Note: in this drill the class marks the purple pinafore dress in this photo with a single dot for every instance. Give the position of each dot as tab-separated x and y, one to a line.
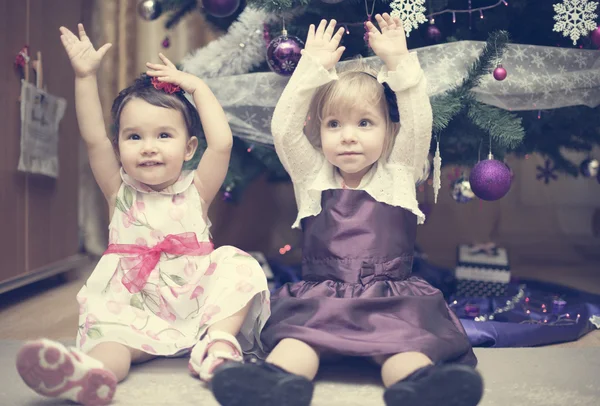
357	296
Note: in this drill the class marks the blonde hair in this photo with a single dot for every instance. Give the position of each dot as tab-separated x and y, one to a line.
356	86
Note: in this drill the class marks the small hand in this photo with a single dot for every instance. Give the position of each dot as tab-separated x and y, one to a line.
389	44
85	60
323	44
168	72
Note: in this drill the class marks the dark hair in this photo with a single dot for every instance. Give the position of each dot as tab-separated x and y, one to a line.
143	89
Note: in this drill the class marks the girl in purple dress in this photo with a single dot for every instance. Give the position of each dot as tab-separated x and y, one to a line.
354	145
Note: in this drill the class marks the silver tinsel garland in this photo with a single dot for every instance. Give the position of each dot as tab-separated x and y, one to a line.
235	53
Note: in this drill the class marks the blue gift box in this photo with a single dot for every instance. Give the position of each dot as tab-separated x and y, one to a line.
482	270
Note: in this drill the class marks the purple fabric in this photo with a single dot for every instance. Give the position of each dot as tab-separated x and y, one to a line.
517	328
357	296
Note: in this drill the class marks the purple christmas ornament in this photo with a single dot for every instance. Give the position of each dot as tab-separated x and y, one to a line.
220	8
595	36
490	179
500	73
283	54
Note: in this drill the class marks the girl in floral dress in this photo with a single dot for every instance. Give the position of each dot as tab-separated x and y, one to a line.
160	289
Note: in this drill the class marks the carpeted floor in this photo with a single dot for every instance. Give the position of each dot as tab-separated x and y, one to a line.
513	377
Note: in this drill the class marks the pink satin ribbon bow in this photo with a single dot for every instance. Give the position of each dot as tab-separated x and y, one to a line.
145	259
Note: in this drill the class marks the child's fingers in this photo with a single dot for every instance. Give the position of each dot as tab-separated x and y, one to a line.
166	61
65	41
338	53
157	73
338	36
311	34
320	29
398	23
104	49
82	35
155	66
382	23
371	27
162	77
389	21
69	36
329	31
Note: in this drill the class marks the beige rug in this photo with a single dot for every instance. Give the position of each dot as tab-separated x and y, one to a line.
513	377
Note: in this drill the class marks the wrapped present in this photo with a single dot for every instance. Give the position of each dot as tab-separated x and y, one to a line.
482	270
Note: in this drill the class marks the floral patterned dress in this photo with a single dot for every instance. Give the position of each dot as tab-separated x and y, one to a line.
160	284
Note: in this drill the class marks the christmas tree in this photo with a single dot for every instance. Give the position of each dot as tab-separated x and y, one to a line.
465	126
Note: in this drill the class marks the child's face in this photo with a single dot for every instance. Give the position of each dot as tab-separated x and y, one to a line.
153	143
352	141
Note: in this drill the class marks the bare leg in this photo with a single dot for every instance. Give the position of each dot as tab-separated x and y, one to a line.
231	325
218	346
118	358
296	357
397	367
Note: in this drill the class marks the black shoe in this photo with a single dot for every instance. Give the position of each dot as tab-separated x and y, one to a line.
435	385
259	384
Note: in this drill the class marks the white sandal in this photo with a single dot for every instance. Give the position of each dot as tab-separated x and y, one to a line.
203	364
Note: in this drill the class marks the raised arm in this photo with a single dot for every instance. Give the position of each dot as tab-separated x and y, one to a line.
85	61
412	143
315	68
215	160
404	75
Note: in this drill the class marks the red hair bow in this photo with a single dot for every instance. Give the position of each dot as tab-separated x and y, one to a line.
167	87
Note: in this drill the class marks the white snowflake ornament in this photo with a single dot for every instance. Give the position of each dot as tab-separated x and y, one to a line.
410	12
575	18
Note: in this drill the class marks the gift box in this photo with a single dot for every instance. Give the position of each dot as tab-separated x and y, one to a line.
482	270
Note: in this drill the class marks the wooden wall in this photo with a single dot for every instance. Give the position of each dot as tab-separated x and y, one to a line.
38	214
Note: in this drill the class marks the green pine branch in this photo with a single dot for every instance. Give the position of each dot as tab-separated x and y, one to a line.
277	6
554	132
444	108
492	52
505	128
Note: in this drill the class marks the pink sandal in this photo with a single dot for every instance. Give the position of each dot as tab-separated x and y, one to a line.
53	370
202	363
